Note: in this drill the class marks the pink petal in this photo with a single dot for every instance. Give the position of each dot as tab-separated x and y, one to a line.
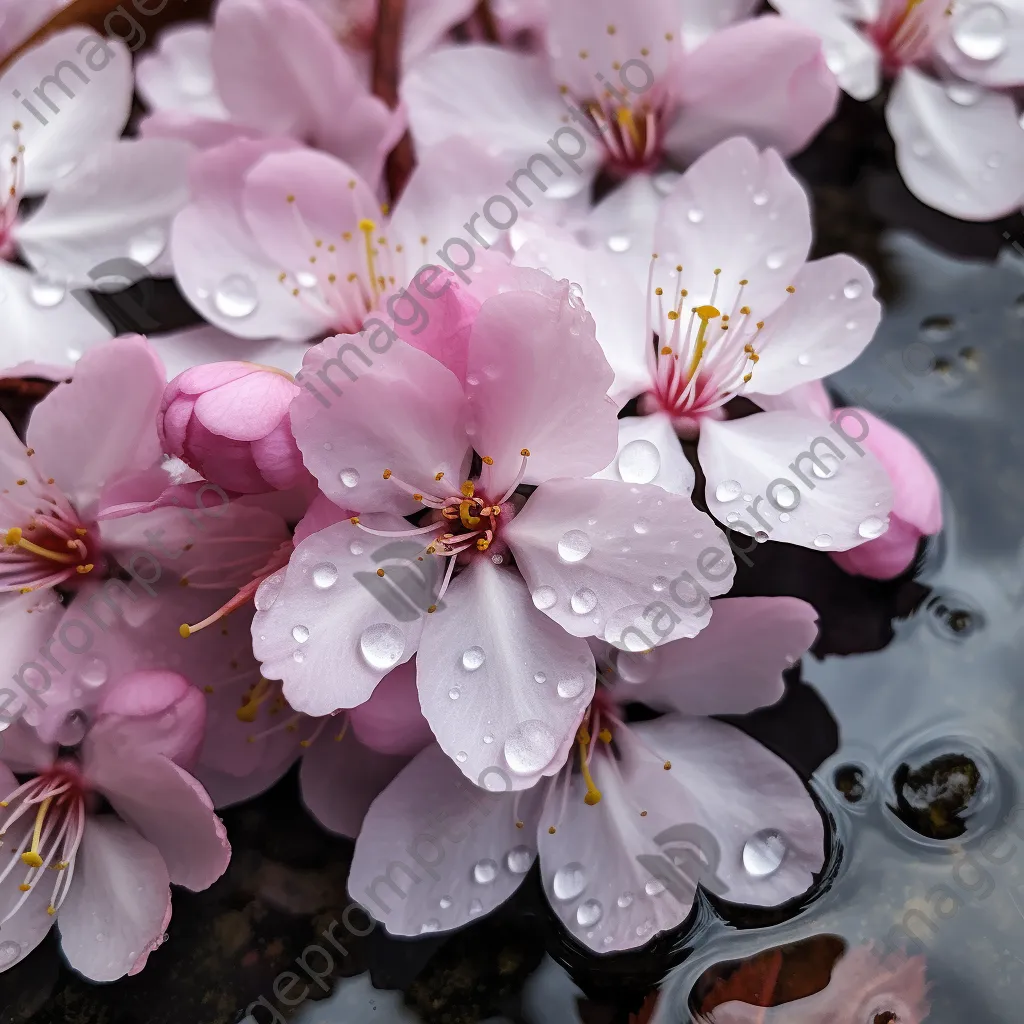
340	779
404	412
626	556
501	685
435	852
119	904
885	557
165	805
328	607
714	675
765	78
702	18
650	453
177	74
322	512
754	225
830	505
819	330
965	160
535	375
103	424
391	722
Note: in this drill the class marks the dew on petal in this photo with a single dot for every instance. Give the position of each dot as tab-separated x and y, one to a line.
530	747
763	853
760	198
461	757
544	598
9	952
639	462
382	645
619	243
571	687
300	634
47	292
433	925
728	490
540	677
266	593
476	907
445	902
853	289
235	296
574	546
979	32
454	693
569	882
349	477
589	913
94	672
144	247
695	216
872	527
625	900
823	540
472	658
655	887
485	872
583	601
519	860
325	575
72	729
642	525
774	260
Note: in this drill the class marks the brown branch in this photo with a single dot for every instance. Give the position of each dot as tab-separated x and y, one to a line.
488	23
387	69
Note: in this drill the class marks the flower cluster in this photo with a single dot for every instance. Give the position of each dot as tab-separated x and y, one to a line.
460	534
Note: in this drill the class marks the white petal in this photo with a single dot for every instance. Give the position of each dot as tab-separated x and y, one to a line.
178	74
822	503
501	685
985	42
965	159
117	204
650	453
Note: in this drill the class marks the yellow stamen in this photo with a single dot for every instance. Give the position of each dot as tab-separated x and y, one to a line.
706	314
368	227
15	539
467	489
257	696
31	855
593	795
468	520
487	460
184	631
627	121
525	452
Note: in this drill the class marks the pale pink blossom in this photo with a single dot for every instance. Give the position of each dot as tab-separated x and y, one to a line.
951	111
109	890
267	69
508	586
636	94
19	19
633	819
730	307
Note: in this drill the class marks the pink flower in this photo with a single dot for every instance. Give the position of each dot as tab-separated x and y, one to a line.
109	892
284	242
637	87
229	421
18	20
504	670
733	309
242	79
958	142
627	827
864	987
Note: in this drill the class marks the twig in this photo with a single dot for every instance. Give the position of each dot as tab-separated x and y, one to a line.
387	61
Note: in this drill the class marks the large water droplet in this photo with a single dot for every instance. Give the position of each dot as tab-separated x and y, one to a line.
235	296
639	462
300	634
625	900
823	540
728	490
445	902
356	547
589	913
9	952
784	496
872	527
583	601
544	598
325	574
619	243
655	887
570	687
349	477
642	525
472	658
72	730
530	747
462	757
147	244
980	32
382	645
569	882
94	672
454	693
763	853
519	860
574	546
485	872
266	593
853	289
47	292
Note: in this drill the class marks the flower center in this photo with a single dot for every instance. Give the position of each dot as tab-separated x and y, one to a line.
54	803
266	698
51	546
907	30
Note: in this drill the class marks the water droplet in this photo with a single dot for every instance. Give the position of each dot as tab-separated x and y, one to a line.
461	757
485	872
530	747
823	540
235	296
763	853
774	260
571	687
472	380
574	546
826	467
356	547
349	477
761	537
382	645
9	952
695	216
760	198
583	601
476	907
472	658
784	496
300	634
654	887
963	94
488	738
539	677
298	656
732	517
47	292
306	279
783	517
433	925
639	462
569	882
454	693
872	527
980	32
544	598
643	929
266	593
72	730
642	525
619	243
589	913
519	860
94	672
445	902
325	575
728	490
660	583
853	289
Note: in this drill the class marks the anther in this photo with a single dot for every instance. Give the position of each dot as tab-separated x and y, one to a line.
380	572
387	474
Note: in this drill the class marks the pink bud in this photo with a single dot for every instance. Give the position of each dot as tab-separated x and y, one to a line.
229	422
